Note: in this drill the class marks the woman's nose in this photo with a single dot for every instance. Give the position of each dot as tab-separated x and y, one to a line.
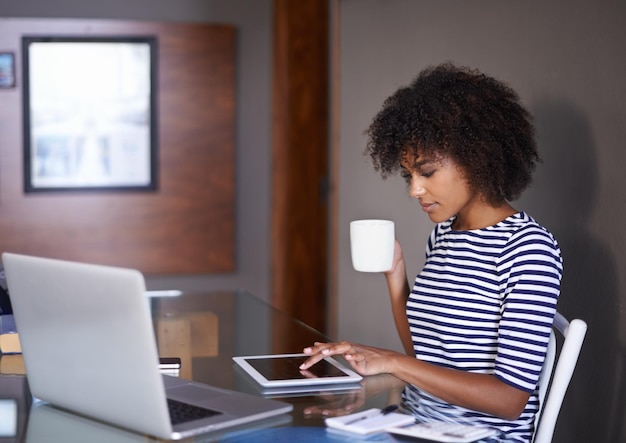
416	189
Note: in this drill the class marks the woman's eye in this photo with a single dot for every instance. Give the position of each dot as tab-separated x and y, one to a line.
406	176
427	173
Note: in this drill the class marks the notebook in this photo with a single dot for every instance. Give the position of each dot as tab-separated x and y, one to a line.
89	347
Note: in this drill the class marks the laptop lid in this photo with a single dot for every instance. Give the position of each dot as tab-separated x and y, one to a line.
88	342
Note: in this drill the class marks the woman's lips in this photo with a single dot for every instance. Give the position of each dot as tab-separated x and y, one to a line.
428	207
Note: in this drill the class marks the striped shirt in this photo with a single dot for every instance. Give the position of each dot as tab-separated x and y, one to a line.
484	302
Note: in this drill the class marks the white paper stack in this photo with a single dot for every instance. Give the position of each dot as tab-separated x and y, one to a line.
369	421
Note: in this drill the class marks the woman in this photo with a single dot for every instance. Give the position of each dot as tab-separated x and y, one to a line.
476	322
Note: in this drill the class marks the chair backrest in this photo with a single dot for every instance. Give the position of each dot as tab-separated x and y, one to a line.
573	333
546	375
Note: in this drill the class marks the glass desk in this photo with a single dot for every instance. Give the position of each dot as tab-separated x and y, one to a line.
205	330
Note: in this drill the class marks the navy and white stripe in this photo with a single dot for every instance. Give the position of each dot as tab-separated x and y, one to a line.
484	302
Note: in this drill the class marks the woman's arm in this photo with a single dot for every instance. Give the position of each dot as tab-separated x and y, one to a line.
399	292
480	392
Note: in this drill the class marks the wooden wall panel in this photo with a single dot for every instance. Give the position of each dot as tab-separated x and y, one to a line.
300	161
187	225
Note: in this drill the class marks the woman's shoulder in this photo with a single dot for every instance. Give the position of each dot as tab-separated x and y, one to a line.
529	237
522	224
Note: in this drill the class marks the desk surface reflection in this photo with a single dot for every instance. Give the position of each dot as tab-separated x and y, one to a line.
205	330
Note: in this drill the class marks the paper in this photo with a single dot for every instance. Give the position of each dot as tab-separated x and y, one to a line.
369	421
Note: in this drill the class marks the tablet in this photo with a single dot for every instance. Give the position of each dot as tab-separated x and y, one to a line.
283	370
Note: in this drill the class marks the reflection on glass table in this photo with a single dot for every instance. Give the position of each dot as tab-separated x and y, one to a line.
205	331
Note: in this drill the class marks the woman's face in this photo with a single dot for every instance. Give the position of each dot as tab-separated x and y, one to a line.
440	186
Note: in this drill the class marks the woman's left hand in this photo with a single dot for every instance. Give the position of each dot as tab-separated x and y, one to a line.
365	360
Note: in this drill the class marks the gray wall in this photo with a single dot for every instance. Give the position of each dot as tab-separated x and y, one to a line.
253	19
567	59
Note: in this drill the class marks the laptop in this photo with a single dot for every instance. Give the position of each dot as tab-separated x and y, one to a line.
89	347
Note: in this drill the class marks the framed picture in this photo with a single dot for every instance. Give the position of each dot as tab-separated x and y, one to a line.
7	70
89	113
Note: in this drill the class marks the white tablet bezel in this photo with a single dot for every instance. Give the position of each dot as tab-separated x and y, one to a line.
350	375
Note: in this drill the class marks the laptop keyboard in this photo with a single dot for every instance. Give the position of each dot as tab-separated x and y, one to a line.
183	412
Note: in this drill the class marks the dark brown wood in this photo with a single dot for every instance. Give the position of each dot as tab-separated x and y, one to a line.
333	198
187	226
300	160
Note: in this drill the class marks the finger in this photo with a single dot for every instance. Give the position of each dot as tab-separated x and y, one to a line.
338	349
354	355
321	350
326	348
316	348
311	361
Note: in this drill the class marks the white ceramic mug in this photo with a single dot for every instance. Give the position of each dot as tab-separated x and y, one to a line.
372	243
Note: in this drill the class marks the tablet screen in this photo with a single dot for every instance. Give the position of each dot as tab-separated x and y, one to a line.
284	370
289	367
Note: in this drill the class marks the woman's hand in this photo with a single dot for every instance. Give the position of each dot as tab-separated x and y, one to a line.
398	261
365	360
396	276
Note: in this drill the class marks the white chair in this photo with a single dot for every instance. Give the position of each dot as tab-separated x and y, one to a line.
550	400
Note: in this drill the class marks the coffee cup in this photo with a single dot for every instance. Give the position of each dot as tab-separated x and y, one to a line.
372	244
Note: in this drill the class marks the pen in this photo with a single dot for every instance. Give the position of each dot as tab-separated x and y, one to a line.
383	411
